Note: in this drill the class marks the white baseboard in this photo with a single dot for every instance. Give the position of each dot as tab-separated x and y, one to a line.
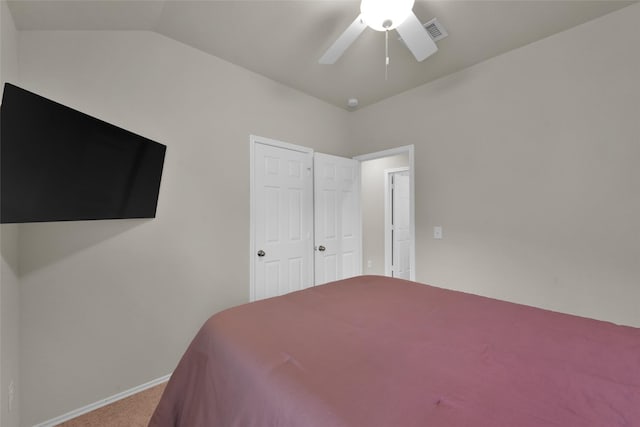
104	402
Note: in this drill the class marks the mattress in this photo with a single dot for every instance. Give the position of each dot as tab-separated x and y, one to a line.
380	352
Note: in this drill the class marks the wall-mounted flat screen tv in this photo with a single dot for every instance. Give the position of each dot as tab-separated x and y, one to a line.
58	164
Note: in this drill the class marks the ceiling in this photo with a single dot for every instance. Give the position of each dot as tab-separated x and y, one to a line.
283	40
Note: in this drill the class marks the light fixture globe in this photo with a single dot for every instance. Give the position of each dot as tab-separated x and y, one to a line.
383	15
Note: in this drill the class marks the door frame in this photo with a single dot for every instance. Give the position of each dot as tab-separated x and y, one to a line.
253	140
410	150
388	201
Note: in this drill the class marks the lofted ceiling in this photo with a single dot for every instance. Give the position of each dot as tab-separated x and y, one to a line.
283	40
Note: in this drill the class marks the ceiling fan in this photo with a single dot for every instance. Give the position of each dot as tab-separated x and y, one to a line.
385	15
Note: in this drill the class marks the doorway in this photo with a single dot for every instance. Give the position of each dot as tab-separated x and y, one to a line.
377	246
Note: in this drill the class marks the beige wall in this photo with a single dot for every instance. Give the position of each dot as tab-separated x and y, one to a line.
108	305
9	326
9	289
373	187
530	162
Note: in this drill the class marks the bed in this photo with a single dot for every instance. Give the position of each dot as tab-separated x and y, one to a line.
373	351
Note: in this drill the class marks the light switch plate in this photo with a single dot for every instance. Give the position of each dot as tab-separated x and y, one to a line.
437	232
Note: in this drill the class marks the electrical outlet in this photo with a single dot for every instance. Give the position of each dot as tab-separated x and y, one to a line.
11	395
369	264
437	232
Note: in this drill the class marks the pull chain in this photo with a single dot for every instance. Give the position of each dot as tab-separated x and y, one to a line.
386	53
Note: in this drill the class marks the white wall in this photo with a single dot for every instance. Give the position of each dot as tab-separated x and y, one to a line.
530	162
108	305
9	284
373	209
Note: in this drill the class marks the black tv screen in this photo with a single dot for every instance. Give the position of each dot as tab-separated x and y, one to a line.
58	164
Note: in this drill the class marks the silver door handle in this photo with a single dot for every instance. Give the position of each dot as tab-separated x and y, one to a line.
261	253
322	248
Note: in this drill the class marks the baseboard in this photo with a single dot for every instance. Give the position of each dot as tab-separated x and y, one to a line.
104	402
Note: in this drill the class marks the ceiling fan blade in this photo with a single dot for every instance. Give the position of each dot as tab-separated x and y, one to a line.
417	38
343	42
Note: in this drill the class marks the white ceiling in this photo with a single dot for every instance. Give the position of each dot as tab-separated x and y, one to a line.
283	40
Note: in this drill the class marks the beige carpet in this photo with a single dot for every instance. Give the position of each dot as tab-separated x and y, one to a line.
134	411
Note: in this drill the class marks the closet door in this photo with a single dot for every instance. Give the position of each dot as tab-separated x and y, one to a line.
282	219
338	230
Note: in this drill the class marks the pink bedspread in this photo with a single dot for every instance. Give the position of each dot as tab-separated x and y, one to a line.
379	352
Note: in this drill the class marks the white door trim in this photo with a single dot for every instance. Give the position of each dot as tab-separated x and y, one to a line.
408	149
388	255
253	140
388	153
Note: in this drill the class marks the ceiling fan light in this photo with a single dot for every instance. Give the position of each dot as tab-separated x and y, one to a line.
382	15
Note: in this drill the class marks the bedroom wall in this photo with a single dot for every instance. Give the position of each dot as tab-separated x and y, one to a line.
527	160
373	187
9	283
108	305
530	163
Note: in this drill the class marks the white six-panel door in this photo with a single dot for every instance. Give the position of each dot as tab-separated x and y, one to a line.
337	218
400	225
282	216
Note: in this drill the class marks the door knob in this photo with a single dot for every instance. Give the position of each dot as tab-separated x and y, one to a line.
322	248
261	253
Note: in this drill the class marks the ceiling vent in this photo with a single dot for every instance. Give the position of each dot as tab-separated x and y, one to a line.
436	30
